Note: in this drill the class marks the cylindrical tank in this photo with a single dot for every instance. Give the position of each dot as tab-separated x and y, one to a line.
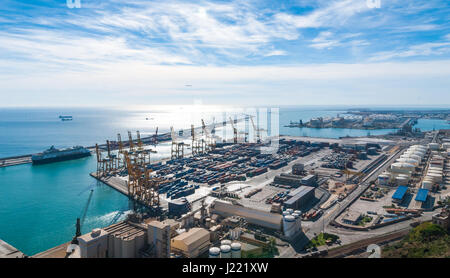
290	211
402	167
225	242
433	146
427	184
208	222
286	213
236	250
408	160
436	177
383	179
401	180
214	252
299	212
225	251
289	225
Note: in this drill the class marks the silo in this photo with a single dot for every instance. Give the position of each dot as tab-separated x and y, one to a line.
225	242
236	250
288	225
214	252
225	251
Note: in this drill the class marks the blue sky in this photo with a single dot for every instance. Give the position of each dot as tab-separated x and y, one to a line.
301	52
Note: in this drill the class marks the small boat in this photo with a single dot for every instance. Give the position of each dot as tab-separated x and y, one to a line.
66	118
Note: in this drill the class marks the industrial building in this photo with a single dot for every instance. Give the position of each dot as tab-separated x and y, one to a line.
300	197
298	168
252	216
351	218
400	194
310	180
192	243
422	195
159	238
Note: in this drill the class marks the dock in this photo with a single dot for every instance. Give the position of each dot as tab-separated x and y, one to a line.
9	251
114	182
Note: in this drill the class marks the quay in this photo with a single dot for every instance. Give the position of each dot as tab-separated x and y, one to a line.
9	251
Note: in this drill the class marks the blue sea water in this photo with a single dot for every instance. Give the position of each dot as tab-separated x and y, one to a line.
39	204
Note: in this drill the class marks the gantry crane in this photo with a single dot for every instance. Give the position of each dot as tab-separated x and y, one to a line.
177	149
209	141
130	140
257	130
235	132
197	146
102	163
113	160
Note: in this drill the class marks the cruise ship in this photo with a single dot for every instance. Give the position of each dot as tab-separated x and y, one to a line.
55	155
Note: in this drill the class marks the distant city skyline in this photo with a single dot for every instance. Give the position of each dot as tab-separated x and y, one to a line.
305	52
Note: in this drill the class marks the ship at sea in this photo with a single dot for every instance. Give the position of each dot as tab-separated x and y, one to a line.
66	118
55	155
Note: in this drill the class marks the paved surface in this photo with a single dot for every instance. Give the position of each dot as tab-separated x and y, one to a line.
9	251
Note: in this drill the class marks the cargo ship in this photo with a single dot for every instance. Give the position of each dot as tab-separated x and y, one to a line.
55	155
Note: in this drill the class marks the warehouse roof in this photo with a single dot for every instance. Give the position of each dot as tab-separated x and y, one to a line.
192	236
400	193
422	195
301	191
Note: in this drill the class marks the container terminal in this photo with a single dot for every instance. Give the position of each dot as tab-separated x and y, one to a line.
244	198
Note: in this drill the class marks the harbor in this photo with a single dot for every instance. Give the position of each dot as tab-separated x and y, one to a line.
96	173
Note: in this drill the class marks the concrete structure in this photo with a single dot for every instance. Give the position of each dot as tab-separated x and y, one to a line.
442	219
94	244
351	218
191	243
252	216
126	240
8	251
158	237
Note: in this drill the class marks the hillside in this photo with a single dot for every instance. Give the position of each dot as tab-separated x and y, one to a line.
425	241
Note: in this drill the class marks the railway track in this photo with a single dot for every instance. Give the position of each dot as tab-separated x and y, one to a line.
362	244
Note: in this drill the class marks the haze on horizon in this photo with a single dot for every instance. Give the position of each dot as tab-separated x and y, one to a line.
305	52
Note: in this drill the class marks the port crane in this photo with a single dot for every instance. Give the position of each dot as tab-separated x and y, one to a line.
257	130
177	149
235	132
210	143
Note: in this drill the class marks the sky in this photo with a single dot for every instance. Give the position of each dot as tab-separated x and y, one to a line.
266	52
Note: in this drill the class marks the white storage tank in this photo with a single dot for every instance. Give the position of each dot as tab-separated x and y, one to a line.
427	184
433	146
408	160
401	180
289	225
290	211
402	167
383	179
225	242
225	251
214	252
236	250
436	177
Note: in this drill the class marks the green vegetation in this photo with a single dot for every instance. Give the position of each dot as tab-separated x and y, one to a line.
365	219
425	241
269	251
322	239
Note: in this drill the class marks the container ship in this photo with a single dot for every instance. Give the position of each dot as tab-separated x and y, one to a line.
55	155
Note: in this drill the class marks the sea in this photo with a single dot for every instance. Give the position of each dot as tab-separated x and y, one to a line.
39	205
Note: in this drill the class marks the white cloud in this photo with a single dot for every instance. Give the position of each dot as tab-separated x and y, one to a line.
425	49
